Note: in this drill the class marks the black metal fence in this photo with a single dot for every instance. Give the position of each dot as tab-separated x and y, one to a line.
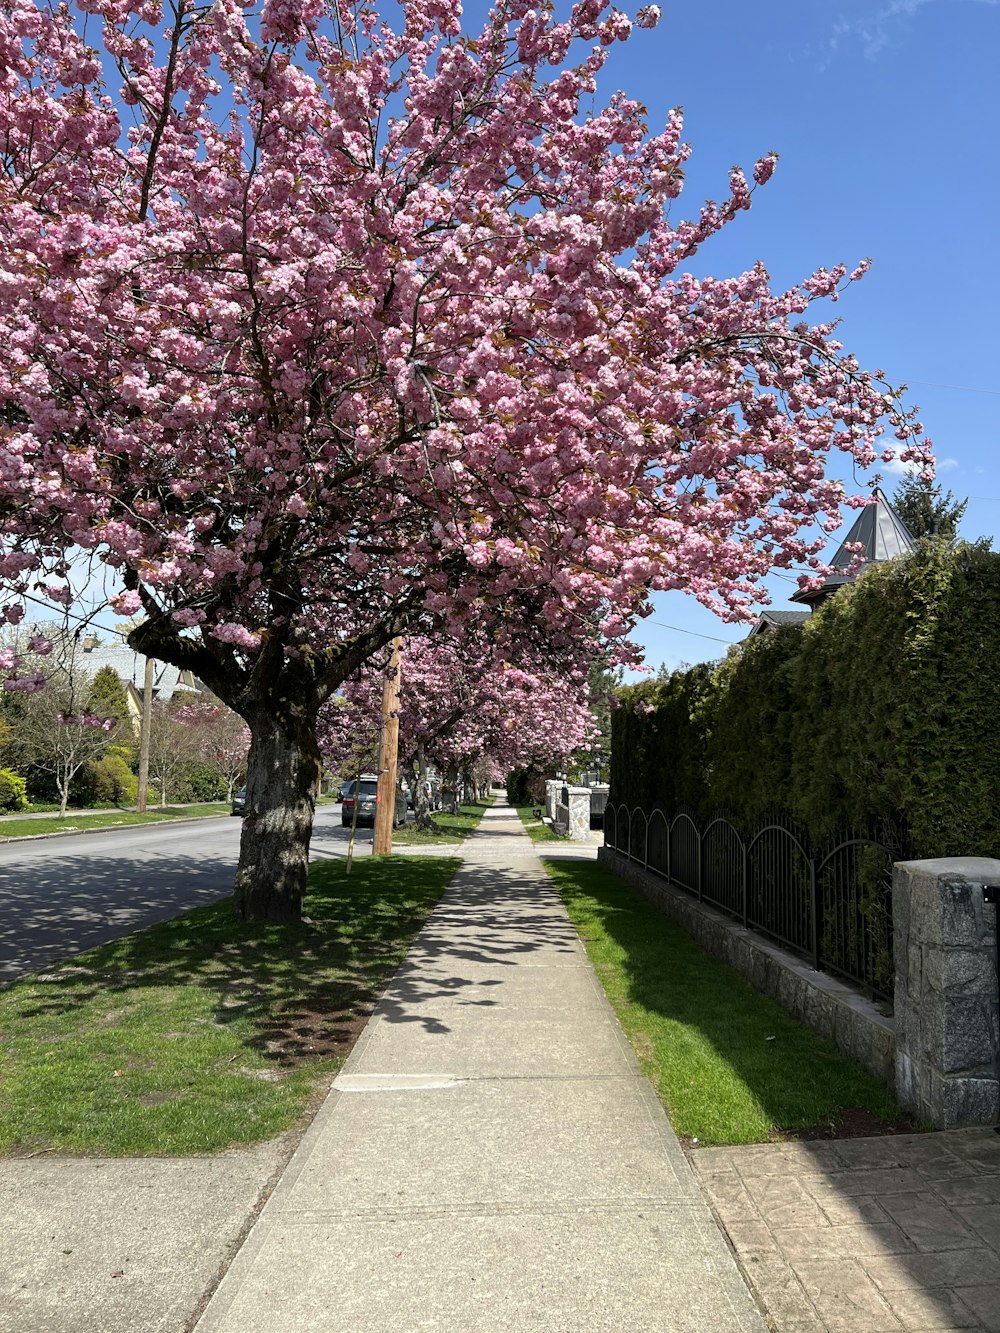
832	904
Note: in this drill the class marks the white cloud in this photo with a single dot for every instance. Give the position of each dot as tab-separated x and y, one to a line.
898	469
878	30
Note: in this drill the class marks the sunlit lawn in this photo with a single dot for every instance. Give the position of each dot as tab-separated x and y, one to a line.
203	1032
537	829
12	827
448	828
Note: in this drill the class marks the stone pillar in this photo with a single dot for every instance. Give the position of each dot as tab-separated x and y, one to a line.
552	788
947	1008
579	813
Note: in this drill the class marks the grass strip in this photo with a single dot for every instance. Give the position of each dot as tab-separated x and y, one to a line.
448	828
12	827
205	1032
730	1065
537	829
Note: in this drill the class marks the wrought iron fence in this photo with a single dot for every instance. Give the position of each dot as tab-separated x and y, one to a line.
832	904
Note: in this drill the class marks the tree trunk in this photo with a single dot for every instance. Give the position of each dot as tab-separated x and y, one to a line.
283	775
421	804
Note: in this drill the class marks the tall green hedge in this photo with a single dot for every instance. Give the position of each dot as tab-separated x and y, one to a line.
883	707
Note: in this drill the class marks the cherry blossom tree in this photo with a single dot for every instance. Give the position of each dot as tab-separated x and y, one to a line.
223	738
319	330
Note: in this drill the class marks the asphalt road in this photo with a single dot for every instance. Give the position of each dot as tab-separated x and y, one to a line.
61	895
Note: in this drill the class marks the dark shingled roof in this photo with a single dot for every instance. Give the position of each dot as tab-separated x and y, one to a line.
776	619
131	667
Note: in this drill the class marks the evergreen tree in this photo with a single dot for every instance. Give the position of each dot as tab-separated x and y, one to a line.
926	511
107	695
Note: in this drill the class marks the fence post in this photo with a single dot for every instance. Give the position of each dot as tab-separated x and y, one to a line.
701	851
743	854
814	912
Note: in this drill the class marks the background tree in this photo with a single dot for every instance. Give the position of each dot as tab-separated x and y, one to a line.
466	710
173	744
59	735
402	342
926	511
223	739
107	698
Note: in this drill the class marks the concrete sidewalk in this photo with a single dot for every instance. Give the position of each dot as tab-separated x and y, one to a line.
491	1156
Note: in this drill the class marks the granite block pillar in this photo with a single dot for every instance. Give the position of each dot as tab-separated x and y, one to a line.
946	1003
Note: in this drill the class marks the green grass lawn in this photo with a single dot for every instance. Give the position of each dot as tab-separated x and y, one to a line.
204	1032
730	1065
12	827
447	827
537	830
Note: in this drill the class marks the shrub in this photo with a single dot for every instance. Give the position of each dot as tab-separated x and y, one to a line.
110	780
13	790
881	712
199	781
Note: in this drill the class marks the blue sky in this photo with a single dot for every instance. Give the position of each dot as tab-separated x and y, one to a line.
886	117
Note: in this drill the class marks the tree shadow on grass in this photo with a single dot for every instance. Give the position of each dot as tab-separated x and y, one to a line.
300	993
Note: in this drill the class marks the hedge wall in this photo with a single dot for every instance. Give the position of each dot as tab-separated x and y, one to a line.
883	707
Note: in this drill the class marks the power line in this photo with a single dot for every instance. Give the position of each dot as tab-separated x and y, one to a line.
69	615
961	388
714	637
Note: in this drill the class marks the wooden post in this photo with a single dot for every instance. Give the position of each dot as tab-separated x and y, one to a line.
144	729
385	808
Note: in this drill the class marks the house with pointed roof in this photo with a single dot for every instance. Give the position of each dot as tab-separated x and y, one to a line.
877	534
881	535
130	667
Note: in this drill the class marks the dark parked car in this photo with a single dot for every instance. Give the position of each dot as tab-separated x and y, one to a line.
240	801
367	799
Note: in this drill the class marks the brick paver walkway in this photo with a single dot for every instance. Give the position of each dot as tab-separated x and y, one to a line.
866	1235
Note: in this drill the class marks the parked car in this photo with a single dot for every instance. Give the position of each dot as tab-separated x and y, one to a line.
240	801
432	794
367	799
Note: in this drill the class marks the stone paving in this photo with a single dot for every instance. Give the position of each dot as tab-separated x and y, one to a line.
865	1235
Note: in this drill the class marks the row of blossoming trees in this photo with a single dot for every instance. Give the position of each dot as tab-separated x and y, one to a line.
323	326
463	709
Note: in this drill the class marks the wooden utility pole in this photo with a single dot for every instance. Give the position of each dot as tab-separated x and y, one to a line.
388	751
144	729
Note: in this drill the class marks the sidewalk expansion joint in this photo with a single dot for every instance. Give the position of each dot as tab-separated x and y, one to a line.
636	1206
354	1083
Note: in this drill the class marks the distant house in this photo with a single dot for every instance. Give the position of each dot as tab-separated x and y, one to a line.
168	681
768	621
880	534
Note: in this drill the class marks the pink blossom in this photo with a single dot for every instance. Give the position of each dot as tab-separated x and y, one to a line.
126	603
228	632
